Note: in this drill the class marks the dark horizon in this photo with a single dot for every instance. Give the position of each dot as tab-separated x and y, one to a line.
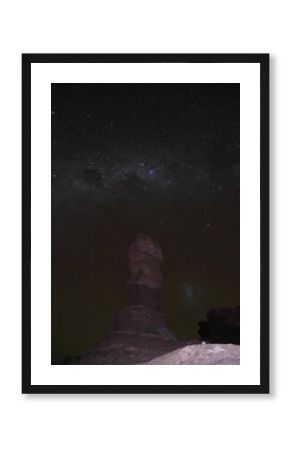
162	159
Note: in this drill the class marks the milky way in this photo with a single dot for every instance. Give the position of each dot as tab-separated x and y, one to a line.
104	159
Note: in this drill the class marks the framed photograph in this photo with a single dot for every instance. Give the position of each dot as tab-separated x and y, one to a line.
145	223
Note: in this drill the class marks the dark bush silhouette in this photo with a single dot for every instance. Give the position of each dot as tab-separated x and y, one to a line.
222	326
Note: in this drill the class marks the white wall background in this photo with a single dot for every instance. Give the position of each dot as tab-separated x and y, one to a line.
142	422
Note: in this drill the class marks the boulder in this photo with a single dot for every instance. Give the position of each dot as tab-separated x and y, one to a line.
202	354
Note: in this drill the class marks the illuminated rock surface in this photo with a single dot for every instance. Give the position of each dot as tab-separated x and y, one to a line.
214	354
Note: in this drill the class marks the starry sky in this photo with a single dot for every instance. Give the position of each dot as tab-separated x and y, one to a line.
161	159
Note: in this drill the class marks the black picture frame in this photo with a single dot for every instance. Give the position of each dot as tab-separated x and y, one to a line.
27	61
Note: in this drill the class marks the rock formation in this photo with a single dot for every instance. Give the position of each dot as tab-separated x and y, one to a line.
139	332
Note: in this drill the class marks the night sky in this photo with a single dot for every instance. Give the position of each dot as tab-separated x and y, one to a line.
161	159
